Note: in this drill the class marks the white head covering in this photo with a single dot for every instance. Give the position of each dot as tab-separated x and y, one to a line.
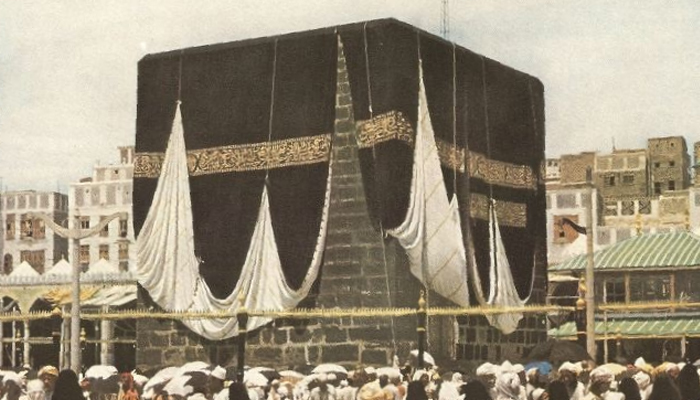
601	374
457	378
643	379
486	369
518	368
9	376
219	373
35	385
639	362
571	367
537	393
508	385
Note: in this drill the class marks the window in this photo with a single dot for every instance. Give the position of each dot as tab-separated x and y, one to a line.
123	266
650	287
671	163
22	202
671	185
38	229
104	232
123	227
657	165
10	227
104	251
615	290
123	250
25	227
10	203
657	187
111	195
84	222
84	254
628	179
35	258
7	264
32	201
609	180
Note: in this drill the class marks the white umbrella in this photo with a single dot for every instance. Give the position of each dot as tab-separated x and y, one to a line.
101	371
389	372
254	378
330	368
178	386
160	378
194	366
427	358
292	374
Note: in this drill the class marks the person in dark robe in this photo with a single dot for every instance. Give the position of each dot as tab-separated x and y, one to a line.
664	389
238	391
475	390
630	389
688	383
67	386
416	391
557	390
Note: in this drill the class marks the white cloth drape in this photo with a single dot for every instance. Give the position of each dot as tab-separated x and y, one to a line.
430	234
167	266
169	270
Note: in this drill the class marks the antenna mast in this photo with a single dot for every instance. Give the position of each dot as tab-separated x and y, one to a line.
445	20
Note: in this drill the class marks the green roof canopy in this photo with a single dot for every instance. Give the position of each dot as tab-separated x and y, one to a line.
660	250
635	328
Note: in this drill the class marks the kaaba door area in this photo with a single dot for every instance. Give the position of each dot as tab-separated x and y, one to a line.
345	167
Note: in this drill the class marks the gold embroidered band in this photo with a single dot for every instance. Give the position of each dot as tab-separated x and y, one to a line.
509	213
314	149
246	157
384	127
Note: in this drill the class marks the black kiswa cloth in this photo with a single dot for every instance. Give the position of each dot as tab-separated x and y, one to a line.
462	89
391	58
509	131
226	93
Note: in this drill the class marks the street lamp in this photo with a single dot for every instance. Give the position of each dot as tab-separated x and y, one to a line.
75	235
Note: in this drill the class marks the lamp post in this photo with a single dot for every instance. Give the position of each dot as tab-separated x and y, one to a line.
590	277
75	235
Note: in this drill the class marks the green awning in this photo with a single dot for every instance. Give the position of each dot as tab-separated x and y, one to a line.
660	250
635	328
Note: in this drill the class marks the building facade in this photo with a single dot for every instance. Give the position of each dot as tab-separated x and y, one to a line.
660	270
25	237
647	191
93	199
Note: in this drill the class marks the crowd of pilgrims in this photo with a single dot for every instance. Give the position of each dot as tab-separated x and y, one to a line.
201	381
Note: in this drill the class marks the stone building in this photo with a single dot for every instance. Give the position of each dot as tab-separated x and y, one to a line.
641	190
669	164
249	130
26	238
107	191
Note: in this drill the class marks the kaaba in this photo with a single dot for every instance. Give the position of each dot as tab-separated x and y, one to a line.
347	167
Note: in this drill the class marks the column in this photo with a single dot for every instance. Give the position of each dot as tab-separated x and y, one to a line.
106	334
25	348
2	343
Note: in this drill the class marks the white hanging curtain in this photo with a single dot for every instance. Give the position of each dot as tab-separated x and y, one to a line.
431	233
169	270
506	294
167	266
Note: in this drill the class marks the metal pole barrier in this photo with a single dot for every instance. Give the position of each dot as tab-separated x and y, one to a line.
75	307
242	318
422	317
590	276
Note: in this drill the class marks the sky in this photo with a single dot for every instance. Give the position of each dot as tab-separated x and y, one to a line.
614	71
